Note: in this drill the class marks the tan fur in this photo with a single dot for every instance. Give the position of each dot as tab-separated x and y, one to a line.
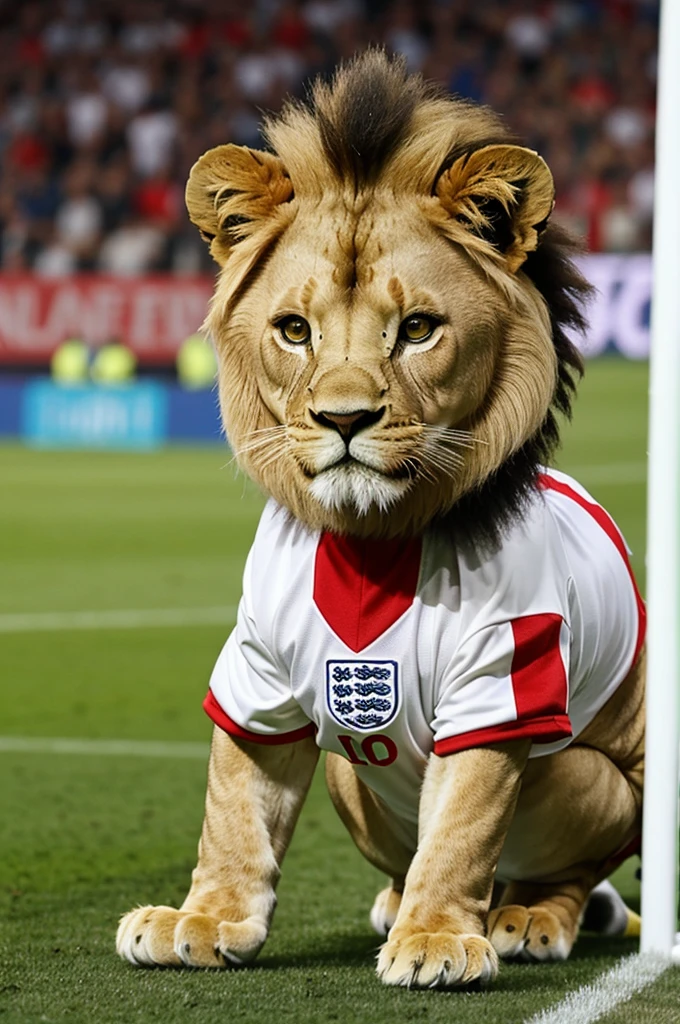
252	804
491	173
300	234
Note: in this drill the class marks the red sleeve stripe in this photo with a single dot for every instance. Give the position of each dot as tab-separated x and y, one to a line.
221	718
605	521
540	730
538	675
539	685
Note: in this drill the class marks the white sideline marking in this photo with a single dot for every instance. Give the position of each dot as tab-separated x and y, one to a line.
131	618
591	1002
115	748
613	473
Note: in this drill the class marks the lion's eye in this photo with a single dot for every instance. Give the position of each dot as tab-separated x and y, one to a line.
295	329
417	328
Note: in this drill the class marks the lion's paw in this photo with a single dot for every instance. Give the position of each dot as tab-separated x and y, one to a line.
384	910
164	937
528	933
437	960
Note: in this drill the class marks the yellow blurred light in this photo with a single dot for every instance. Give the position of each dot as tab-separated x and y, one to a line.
70	362
196	363
113	364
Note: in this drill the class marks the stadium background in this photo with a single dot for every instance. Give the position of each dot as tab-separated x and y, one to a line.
121	569
105	106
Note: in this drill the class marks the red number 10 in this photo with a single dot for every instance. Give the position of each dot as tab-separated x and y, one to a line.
368	746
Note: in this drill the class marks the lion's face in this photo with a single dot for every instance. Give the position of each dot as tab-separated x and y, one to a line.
377	360
375	342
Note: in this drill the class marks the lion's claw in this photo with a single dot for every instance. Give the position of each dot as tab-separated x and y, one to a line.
528	933
437	960
165	937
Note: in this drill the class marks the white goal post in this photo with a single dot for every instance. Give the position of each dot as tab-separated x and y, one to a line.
660	824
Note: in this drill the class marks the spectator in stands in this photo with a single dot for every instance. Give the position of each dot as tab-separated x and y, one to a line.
105	106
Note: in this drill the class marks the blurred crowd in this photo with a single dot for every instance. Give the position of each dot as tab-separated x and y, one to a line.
105	105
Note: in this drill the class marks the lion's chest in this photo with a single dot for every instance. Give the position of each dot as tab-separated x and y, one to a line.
390	652
363	652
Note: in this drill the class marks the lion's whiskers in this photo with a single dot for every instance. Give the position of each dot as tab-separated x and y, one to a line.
267	436
436	461
263	434
440	450
276	428
451	436
269	442
273	452
274	456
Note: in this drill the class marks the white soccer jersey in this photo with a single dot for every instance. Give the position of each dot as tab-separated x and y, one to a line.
389	650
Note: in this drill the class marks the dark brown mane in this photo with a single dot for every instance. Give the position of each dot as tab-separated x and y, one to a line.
364	115
487	511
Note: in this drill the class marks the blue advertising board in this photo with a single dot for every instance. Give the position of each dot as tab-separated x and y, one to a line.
89	416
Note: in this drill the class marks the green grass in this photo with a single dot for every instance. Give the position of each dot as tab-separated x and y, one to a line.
85	838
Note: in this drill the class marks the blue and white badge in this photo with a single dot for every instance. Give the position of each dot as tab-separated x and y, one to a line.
362	694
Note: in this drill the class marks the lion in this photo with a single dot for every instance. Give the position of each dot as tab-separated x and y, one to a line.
456	625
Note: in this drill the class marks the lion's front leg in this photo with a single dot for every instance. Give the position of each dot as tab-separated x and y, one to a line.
438	938
255	794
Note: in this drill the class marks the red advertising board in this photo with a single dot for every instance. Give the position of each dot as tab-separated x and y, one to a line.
153	315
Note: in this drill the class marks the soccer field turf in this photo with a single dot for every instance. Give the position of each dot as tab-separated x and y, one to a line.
89	833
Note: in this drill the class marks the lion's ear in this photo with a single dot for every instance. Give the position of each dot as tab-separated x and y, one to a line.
232	188
503	194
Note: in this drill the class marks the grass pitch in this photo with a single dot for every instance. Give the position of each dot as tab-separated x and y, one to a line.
85	837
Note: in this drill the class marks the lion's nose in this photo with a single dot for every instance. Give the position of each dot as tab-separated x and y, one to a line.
348	423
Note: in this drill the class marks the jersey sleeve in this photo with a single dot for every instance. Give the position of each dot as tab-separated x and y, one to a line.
250	695
506	681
